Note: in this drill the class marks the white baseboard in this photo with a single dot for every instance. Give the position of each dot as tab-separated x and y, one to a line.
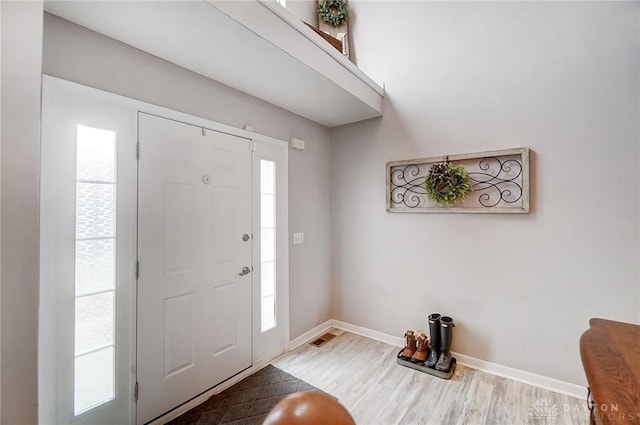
525	377
369	333
308	335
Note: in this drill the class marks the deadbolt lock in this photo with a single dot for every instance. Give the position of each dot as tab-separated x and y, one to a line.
245	270
246	237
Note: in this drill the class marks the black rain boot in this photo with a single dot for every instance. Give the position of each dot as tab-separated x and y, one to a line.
434	340
446	340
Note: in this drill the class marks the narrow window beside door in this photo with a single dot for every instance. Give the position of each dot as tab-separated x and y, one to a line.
268	244
95	267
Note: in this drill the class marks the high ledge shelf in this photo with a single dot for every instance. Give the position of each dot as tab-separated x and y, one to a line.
256	46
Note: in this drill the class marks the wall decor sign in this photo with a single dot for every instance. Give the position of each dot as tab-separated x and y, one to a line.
494	182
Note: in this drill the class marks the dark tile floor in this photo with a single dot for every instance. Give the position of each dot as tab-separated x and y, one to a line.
246	403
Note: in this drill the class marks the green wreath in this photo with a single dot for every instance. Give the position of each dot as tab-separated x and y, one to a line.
333	12
447	184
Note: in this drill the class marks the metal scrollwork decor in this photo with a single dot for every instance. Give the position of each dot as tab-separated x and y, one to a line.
407	186
499	183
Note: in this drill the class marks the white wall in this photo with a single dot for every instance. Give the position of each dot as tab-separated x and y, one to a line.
21	73
305	10
77	54
559	77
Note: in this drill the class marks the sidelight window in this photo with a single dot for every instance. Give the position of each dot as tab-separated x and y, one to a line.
95	268
268	244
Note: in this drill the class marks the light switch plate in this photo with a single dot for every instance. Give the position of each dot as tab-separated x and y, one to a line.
298	238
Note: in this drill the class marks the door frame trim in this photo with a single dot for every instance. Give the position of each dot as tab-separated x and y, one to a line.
52	395
159	111
137	106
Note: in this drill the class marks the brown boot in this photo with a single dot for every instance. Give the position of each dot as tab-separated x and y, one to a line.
422	352
410	345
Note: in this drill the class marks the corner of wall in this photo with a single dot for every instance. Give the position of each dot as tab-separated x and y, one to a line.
22	25
333	311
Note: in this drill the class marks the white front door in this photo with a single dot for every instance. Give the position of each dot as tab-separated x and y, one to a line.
87	252
195	262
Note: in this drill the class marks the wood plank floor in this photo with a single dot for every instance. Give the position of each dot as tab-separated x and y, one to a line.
363	375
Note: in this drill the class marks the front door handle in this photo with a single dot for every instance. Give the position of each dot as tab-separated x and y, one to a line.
245	270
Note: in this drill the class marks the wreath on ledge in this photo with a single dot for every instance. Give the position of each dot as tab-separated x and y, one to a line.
333	12
447	184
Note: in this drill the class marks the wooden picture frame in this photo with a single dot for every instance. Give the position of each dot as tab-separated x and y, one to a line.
500	183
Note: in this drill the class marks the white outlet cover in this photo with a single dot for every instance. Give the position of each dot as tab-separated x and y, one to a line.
298	238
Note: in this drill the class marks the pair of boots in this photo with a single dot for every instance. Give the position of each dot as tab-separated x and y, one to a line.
435	351
415	349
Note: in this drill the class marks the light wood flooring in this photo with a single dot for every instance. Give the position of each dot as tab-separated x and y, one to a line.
363	375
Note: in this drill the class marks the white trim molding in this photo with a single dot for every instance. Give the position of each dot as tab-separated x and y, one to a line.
369	333
518	375
523	376
308	335
151	109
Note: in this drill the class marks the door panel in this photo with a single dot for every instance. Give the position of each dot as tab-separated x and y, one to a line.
179	203
179	342
194	306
